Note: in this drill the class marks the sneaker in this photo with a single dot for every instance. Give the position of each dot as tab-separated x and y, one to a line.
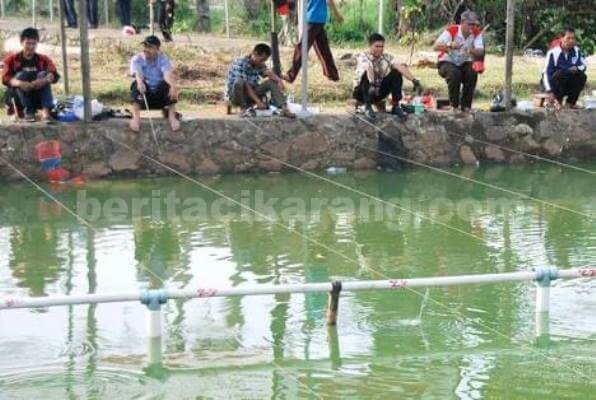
399	113
369	112
29	117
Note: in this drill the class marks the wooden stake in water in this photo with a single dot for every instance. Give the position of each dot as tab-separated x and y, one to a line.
333	303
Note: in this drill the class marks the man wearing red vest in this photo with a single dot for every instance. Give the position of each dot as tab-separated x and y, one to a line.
458	45
28	76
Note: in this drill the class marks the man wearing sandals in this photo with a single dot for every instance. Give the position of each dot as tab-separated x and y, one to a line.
379	74
154	86
29	76
244	87
564	73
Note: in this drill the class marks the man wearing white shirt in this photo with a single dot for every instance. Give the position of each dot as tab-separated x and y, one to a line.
458	45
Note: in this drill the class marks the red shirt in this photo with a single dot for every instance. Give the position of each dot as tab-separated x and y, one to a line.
13	63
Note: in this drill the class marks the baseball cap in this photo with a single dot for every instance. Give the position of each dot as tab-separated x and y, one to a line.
151	41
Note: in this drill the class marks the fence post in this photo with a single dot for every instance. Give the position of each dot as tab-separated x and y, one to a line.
85	62
380	17
227	18
544	276
509	53
34	13
63	46
151	18
106	11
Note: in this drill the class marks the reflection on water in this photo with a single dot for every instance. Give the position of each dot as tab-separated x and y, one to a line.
385	344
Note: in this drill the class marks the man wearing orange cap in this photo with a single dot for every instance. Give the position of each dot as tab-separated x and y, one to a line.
458	46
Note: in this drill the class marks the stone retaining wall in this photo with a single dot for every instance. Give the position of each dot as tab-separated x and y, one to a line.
225	146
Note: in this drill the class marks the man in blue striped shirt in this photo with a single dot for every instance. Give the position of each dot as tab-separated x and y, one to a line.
564	73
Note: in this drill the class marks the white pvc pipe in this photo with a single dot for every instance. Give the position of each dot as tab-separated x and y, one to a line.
542	299
304	34
542	325
204	292
153	323
154	350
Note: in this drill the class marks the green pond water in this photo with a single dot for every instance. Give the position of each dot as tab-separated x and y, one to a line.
464	342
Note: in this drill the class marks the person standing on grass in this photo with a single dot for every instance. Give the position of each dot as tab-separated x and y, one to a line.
71	13
154	85
29	76
316	17
244	87
377	75
564	73
458	45
124	12
166	18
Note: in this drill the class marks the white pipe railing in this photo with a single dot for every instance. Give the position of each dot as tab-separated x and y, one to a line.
390	284
153	299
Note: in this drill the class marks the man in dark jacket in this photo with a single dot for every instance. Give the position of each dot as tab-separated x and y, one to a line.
28	76
564	73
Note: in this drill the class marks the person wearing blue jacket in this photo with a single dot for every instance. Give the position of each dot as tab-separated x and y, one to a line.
564	73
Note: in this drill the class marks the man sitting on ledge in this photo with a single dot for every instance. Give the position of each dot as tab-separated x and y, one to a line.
28	76
458	45
243	86
564	73
154	86
377	75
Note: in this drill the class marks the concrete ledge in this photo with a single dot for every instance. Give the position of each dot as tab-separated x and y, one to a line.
227	146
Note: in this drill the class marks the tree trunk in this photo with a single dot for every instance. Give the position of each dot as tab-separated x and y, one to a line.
203	16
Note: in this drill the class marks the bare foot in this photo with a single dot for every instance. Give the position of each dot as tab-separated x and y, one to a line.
174	123
135	125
